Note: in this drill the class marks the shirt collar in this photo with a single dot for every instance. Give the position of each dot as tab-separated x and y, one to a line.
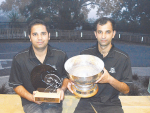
32	54
49	51
110	54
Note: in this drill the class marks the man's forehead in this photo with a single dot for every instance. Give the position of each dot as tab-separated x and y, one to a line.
38	24
39	28
108	26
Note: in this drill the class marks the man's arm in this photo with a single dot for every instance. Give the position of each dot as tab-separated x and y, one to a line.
21	91
65	83
63	88
120	86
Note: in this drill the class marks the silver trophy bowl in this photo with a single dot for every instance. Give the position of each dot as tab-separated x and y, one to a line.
84	71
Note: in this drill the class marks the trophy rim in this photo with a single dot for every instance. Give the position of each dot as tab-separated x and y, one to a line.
67	68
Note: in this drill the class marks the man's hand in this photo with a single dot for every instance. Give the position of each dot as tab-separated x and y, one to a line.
104	78
70	83
21	91
34	92
107	78
61	93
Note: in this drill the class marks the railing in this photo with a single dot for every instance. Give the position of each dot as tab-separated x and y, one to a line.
131	37
4	61
68	35
16	33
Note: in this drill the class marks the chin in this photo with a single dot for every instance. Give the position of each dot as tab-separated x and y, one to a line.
40	47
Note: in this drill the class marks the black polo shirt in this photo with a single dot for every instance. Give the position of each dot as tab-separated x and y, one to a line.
25	61
117	63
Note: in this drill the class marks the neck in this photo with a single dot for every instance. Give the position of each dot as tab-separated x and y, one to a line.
40	54
104	50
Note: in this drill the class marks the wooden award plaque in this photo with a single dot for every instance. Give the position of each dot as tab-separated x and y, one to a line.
47	97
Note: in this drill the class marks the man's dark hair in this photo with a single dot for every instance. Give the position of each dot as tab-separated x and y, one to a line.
103	21
35	22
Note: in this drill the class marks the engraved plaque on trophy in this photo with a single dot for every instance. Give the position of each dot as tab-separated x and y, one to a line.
45	80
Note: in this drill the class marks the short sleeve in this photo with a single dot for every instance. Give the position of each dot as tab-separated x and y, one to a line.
127	72
64	71
15	74
149	87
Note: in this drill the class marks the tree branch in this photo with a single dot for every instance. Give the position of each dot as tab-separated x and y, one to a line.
90	4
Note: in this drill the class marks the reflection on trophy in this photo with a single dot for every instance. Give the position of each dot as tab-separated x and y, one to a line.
45	80
84	71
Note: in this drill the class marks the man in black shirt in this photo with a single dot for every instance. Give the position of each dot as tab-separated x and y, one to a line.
117	72
39	53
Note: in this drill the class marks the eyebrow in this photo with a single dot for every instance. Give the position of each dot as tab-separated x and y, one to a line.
37	33
43	32
108	30
34	33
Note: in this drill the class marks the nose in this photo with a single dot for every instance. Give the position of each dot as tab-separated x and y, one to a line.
103	35
39	37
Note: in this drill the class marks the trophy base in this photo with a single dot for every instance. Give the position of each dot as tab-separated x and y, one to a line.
47	97
85	94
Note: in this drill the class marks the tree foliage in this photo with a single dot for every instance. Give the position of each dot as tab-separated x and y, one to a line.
131	15
134	16
13	16
73	12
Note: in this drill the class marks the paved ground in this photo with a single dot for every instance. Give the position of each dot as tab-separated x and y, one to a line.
139	55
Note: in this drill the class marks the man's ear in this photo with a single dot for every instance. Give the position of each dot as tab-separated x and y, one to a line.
114	33
95	34
29	37
49	35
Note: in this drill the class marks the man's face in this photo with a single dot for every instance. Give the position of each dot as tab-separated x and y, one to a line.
104	34
39	36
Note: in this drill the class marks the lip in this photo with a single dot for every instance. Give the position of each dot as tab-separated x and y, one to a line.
103	40
40	43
